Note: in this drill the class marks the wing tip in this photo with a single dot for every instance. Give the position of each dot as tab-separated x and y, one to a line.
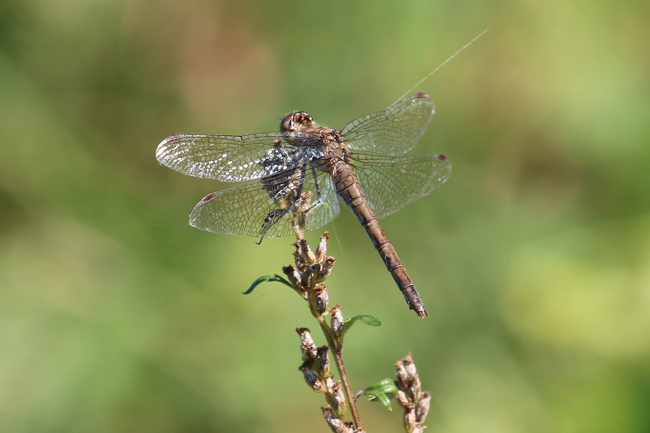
424	99
171	138
444	162
162	149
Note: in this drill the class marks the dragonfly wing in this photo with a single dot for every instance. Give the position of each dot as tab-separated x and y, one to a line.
234	158
263	210
392	131
390	183
324	200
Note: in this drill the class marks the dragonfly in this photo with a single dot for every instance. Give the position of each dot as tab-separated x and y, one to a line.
302	171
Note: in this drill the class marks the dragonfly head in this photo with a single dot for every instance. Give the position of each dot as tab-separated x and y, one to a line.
296	122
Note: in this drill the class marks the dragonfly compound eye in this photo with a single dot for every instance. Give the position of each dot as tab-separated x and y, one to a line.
296	121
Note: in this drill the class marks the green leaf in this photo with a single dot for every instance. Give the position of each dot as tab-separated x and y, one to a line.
364	318
268	279
382	392
385	385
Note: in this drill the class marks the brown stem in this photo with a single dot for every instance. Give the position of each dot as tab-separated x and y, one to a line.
305	259
340	366
348	390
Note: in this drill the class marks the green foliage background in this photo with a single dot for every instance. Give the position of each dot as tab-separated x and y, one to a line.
533	259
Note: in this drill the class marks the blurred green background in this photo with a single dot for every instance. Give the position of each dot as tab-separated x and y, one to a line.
533	259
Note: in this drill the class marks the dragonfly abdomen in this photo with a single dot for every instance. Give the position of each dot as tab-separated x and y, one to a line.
348	188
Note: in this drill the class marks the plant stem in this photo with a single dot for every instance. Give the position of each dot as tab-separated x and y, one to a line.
340	366
348	390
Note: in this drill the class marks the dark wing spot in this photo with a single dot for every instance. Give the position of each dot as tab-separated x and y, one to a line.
442	157
420	95
174	137
208	197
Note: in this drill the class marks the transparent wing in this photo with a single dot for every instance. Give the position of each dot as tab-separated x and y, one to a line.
390	183
235	158
392	131
263	210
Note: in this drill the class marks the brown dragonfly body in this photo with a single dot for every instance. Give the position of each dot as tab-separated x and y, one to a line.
349	190
305	167
347	186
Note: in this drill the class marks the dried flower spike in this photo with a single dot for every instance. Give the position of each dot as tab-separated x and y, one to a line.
307	346
321	250
336	322
338	400
337	425
409	395
322	363
322	298
408	379
312	378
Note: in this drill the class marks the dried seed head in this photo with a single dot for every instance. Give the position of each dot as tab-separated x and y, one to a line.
335	423
297	255
321	271
408	379
311	378
306	254
415	403
321	250
338	400
402	374
307	346
336	322
294	277
416	389
403	400
322	298
409	421
325	269
329	383
422	408
322	363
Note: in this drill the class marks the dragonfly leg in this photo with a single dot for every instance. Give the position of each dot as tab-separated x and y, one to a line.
272	218
319	200
285	194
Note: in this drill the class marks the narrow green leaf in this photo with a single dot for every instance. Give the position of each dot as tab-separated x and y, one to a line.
268	279
364	318
381	398
382	392
386	386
